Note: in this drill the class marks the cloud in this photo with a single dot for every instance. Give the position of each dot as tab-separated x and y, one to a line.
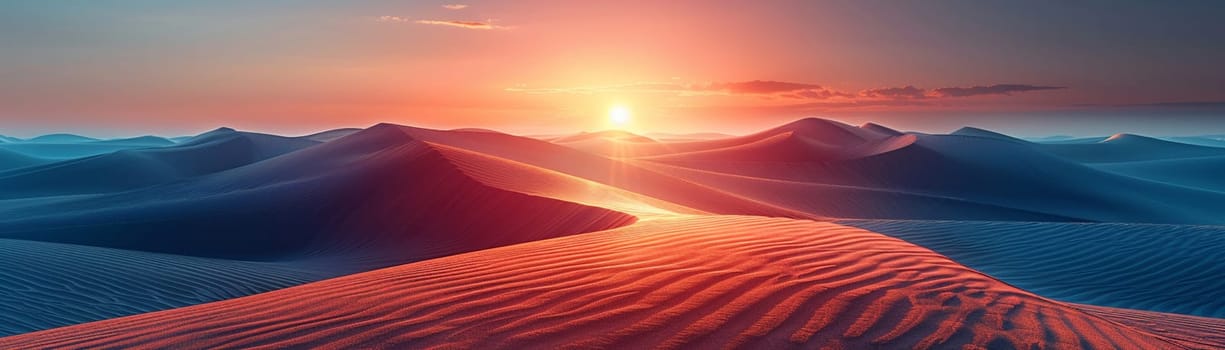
997	89
460	24
391	19
1163	104
887	96
905	92
818	94
754	87
455	6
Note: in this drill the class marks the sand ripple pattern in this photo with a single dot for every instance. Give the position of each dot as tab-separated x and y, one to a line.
45	285
1167	268
693	282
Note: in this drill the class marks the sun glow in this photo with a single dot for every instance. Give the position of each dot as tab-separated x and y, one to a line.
619	115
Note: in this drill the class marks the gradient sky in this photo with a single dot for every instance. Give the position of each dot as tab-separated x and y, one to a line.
1029	68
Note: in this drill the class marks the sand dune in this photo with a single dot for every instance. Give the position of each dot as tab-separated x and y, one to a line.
135	168
600	169
612	143
613	240
1206	140
880	129
46	285
841	201
1201	172
1168	268
68	146
1129	148
325	136
63	151
60	138
988	171
977	132
683	282
821	133
139	141
1190	331
13	160
388	199
523	178
791	147
616	135
687	137
386	195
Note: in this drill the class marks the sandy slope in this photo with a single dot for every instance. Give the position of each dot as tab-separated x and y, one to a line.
45	285
329	135
1199	172
829	137
380	193
141	167
1129	148
692	282
842	201
139	141
600	169
1190	331
60	138
64	151
13	160
989	171
1169	268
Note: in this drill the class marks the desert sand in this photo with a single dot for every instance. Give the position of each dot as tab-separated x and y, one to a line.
813	234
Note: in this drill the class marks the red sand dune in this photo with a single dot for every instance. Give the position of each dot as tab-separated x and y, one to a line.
687	281
600	169
1190	331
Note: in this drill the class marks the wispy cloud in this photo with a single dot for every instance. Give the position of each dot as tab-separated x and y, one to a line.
997	89
460	24
905	92
455	6
392	19
795	90
805	96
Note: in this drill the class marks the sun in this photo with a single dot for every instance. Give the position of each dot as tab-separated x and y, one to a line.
619	115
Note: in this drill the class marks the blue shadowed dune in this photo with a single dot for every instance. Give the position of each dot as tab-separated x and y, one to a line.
69	146
45	285
61	138
141	167
1012	178
1129	148
1167	268
13	160
1202	172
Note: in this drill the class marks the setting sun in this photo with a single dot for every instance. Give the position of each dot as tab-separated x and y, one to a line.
619	115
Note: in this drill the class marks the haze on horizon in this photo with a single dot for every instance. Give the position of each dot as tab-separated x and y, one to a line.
122	68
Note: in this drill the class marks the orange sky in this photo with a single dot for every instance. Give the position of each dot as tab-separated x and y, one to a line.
547	66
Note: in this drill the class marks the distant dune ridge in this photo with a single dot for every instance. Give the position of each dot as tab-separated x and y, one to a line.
395	236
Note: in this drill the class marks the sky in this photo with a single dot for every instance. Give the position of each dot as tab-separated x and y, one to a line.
1028	68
